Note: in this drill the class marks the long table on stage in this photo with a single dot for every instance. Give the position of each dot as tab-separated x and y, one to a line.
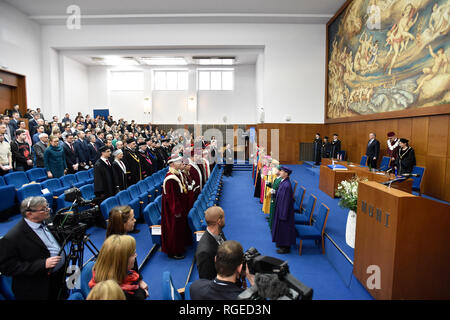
328	180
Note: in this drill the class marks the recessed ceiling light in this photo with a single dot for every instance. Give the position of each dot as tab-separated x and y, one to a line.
163	61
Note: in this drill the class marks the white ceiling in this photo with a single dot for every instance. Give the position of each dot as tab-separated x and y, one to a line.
243	56
181	11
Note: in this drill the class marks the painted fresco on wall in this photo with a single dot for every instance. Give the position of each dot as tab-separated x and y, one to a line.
388	55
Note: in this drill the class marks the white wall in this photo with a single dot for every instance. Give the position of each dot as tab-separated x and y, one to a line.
238	105
166	106
20	50
74	84
294	57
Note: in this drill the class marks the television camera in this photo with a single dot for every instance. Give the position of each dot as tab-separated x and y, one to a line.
272	279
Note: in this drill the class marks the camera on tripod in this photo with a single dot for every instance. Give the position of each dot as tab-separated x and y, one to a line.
76	218
272	279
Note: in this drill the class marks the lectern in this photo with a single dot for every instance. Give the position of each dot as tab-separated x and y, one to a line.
404	237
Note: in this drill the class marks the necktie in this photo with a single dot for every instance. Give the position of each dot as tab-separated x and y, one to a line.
109	164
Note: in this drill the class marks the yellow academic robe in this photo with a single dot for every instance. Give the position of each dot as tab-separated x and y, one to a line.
268	195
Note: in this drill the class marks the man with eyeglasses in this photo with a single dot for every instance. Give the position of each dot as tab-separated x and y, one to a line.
29	253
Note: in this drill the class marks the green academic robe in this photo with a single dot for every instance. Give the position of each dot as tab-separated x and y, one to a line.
275	186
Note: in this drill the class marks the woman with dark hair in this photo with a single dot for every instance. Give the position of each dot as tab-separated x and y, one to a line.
406	159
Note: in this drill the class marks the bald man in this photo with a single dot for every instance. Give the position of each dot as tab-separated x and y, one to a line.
210	241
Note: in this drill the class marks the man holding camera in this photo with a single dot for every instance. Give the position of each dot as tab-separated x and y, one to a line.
227	284
29	253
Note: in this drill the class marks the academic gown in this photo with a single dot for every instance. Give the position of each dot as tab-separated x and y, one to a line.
133	165
273	199
317	146
264	171
197	178
175	232
267	195
406	160
104	185
283	228
146	164
257	192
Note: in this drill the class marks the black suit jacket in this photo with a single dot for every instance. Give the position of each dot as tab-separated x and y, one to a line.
204	256
104	186
373	149
71	156
23	256
82	150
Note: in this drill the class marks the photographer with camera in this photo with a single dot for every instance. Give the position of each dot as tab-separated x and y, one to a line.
229	264
29	253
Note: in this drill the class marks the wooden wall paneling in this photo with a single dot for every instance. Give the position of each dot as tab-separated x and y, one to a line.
433	183
447	182
438	136
405	128
5	98
419	135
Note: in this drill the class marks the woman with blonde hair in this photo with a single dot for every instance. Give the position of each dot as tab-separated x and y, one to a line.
106	290
115	261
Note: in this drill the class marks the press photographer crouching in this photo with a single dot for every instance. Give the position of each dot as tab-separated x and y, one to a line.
31	254
228	283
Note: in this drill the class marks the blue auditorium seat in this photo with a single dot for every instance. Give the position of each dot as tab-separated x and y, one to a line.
314	231
69	180
83	176
76	296
85	277
152	217
54	185
417	181
363	161
125	199
384	165
6	287
87	191
169	291
298	198
36	174
16	179
107	205
7	197
306	216
33	190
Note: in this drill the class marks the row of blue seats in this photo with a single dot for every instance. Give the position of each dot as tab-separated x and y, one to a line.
137	196
18	185
309	226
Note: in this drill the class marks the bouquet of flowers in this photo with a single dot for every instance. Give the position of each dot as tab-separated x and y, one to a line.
348	193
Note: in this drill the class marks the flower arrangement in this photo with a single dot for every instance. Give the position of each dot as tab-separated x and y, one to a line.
348	193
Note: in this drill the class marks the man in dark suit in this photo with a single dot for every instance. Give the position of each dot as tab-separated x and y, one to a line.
93	154
227	285
104	186
29	253
210	241
14	124
81	149
71	155
229	160
39	149
373	151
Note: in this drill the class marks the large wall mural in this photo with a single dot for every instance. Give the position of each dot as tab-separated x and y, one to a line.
388	55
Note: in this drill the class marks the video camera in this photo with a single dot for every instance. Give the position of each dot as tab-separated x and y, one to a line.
272	279
71	222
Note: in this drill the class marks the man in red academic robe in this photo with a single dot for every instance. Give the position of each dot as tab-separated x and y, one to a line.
189	182
175	232
196	174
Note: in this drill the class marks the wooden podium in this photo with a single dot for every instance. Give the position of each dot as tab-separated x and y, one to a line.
329	179
407	237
